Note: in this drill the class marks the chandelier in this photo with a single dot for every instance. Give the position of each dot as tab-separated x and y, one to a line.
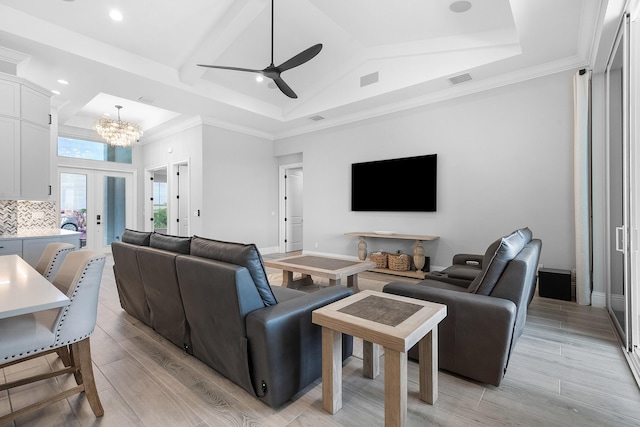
117	132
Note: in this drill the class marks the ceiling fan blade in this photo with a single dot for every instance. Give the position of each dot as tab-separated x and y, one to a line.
284	87
220	67
300	58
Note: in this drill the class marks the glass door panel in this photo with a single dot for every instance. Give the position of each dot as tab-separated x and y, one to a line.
619	186
114	208
73	204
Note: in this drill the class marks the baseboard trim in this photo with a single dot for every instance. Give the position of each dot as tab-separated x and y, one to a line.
269	250
598	299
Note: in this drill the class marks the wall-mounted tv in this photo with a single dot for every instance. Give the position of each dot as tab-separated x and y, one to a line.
405	184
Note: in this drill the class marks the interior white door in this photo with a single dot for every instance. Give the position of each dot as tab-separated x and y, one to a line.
293	208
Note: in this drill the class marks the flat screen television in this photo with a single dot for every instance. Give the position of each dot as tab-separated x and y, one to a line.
405	184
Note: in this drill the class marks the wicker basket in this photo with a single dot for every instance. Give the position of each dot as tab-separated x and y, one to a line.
380	258
399	262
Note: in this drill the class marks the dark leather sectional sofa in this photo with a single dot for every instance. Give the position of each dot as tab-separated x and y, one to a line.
212	299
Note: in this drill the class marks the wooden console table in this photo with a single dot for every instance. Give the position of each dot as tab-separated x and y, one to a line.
418	250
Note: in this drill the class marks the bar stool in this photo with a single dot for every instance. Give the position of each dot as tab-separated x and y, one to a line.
33	335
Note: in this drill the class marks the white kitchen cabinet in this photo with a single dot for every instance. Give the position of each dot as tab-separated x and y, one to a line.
25	139
9	98
34	167
10	158
11	247
35	106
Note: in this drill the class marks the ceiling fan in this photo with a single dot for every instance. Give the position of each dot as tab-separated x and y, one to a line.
273	72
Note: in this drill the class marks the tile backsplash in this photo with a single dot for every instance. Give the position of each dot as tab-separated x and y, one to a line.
23	215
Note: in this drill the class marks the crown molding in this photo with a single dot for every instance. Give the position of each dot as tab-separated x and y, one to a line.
237	128
171	130
12	56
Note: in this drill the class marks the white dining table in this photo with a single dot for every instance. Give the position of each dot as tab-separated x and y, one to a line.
23	290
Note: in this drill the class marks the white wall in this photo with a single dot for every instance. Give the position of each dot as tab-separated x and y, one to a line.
182	146
240	188
504	162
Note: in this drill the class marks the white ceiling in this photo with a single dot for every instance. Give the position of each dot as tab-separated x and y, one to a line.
414	46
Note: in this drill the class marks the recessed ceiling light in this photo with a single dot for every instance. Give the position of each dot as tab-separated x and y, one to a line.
116	15
63	82
55	92
259	78
460	6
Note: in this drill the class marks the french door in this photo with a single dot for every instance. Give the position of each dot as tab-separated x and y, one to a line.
97	203
623	100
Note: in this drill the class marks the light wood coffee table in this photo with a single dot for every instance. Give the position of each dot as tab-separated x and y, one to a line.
397	323
333	269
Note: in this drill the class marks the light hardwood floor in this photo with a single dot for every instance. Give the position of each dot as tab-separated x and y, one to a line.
567	370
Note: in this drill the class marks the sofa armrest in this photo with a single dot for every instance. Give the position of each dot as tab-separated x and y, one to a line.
471	260
475	339
285	347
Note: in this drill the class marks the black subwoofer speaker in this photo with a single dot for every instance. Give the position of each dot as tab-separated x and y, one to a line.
554	283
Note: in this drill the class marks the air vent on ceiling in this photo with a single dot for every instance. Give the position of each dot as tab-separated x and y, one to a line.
146	99
369	79
460	78
316	118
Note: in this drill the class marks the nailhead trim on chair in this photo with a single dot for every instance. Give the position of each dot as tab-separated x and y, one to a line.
57	343
55	257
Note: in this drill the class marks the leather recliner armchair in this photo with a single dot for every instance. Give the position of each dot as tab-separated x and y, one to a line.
485	319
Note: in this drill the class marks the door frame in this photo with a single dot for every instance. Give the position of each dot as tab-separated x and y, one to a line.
173	192
148	194
282	226
131	221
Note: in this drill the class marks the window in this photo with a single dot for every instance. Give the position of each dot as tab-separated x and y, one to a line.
160	206
92	150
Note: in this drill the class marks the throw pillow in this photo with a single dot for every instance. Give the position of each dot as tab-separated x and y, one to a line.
496	258
134	237
170	243
246	255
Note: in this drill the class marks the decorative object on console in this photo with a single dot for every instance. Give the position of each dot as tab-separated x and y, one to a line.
117	132
399	262
419	258
380	258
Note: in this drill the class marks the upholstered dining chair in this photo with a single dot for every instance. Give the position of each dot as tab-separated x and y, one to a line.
33	335
48	265
51	259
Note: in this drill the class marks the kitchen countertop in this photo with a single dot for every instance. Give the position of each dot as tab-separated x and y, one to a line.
39	233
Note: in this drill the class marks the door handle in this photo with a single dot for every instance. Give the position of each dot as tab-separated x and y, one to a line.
98	219
620	238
